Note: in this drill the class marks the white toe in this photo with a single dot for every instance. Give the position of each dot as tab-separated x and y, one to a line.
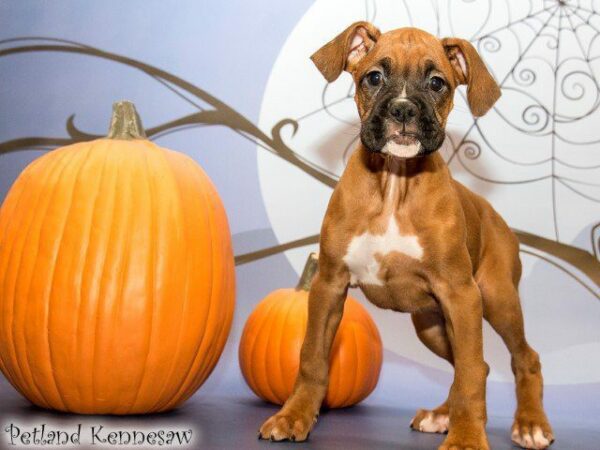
534	440
540	441
434	423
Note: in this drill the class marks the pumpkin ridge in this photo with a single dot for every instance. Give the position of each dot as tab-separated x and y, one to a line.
35	221
221	281
226	252
189	383
102	287
156	301
215	292
261	319
355	392
167	395
373	374
110	316
379	355
380	349
226	283
374	336
28	218
8	368
374	378
162	398
84	271
13	197
260	323
125	267
243	347
374	331
265	360
36	227
255	369
9	252
152	278
52	278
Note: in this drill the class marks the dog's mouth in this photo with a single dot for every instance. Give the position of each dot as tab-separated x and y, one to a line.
402	144
404	138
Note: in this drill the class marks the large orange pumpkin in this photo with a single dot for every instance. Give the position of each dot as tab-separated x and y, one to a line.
269	352
116	276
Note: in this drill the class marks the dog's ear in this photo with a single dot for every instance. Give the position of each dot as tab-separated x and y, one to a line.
346	50
469	69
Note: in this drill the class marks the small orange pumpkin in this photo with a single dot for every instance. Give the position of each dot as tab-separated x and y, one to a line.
116	276
269	352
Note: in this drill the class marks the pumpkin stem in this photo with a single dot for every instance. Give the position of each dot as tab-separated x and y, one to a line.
310	269
125	122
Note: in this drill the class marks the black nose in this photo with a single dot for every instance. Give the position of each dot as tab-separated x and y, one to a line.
403	110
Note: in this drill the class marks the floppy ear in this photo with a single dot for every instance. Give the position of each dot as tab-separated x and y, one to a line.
346	50
469	69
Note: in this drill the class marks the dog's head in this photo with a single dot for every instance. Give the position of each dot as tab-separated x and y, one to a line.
405	81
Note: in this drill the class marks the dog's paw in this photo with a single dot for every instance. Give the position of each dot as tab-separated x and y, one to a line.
469	441
435	421
532	431
286	427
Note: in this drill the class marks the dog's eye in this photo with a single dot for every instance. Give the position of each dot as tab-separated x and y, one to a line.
374	78
436	84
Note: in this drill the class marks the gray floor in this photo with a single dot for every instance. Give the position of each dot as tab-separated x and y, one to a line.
232	423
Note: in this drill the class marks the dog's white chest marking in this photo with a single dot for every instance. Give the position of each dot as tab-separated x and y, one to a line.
366	251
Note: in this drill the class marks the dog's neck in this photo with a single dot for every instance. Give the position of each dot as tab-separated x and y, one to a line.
399	179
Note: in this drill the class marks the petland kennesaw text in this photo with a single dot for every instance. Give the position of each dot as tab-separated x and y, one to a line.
43	435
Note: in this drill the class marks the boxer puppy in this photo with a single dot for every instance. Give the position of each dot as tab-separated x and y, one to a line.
415	240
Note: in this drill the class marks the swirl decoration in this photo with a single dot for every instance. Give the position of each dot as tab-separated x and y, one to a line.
573	78
471	149
596	240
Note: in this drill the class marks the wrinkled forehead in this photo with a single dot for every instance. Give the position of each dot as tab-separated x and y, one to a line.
407	50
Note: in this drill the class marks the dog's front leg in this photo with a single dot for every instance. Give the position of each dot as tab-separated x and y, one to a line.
325	309
461	304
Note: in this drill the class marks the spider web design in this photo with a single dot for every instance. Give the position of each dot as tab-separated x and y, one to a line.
573	76
553	43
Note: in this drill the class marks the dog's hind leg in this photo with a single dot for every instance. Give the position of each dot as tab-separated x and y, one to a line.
502	309
431	330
